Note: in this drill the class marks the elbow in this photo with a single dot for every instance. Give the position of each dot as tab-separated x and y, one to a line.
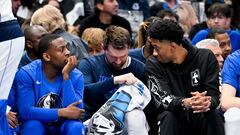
224	105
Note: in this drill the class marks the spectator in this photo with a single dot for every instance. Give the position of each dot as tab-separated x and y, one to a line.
33	34
219	18
184	84
144	49
105	15
52	20
224	40
185	11
50	91
212	45
105	73
12	45
202	25
95	38
168	14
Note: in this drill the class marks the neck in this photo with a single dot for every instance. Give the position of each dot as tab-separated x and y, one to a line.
49	71
31	55
171	3
181	55
105	18
147	51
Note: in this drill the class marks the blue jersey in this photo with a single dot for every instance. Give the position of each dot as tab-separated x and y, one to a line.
233	35
98	80
231	71
33	85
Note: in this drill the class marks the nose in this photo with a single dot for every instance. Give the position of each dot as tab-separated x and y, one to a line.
228	48
67	53
118	61
116	3
155	52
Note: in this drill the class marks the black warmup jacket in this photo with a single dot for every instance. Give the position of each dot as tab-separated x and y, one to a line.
170	83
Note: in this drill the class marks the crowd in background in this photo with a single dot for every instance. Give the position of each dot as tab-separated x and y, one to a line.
65	65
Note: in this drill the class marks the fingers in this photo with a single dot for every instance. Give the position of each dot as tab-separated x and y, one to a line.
12	119
128	79
76	103
201	104
196	93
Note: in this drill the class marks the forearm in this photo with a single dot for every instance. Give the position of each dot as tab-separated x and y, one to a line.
40	114
230	102
71	94
99	88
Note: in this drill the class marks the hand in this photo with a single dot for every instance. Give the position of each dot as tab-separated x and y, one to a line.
72	111
128	78
71	64
12	119
200	102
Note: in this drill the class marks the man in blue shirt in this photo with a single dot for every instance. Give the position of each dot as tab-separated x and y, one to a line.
105	73
50	91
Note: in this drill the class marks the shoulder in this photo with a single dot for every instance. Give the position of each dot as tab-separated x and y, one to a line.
91	61
233	58
31	69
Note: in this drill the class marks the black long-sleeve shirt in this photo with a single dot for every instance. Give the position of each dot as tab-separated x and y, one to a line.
170	83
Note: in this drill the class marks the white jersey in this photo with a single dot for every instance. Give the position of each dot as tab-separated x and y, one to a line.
6	11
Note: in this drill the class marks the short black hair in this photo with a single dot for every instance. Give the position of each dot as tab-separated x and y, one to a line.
213	32
166	30
45	43
167	12
219	9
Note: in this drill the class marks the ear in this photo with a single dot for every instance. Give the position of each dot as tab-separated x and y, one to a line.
46	57
29	44
99	6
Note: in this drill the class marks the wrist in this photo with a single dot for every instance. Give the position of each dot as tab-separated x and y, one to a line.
186	104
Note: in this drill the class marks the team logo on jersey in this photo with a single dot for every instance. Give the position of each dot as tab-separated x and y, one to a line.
195	75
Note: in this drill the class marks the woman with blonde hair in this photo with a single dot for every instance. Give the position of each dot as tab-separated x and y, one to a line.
95	38
52	20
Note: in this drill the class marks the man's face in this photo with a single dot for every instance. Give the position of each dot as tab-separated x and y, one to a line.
15	5
116	58
224	43
162	50
110	7
218	54
35	38
58	53
218	21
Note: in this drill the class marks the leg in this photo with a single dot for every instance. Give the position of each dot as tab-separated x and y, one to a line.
209	123
135	123
232	121
72	127
170	124
11	48
33	127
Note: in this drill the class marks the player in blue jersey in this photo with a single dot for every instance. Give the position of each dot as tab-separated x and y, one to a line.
50	91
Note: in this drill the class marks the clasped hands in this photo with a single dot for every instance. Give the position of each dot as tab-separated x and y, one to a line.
199	102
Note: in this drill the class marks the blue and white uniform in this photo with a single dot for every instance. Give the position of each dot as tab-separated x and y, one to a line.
11	48
33	85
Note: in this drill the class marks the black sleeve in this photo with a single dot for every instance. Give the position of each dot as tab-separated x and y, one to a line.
162	99
211	81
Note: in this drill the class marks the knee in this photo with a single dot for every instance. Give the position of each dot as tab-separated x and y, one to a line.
33	126
167	116
73	128
232	115
131	116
